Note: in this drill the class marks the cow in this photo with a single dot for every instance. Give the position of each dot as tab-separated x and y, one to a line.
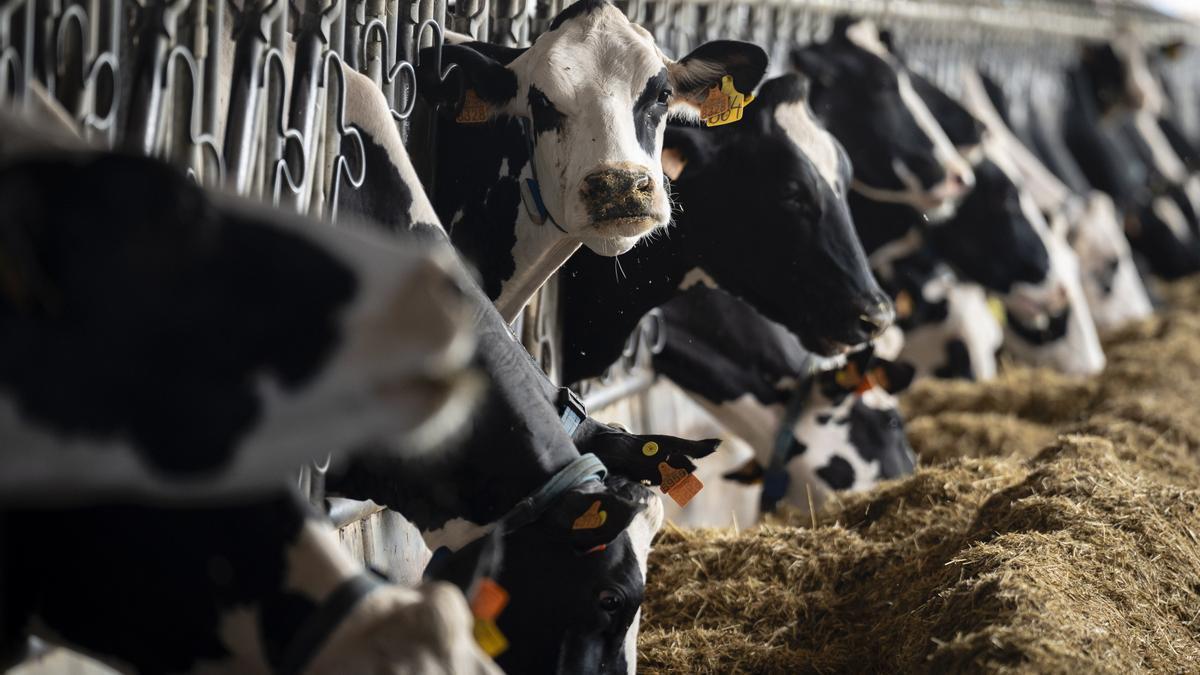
257	587
838	433
526	431
1102	92
866	99
763	217
566	151
178	345
949	325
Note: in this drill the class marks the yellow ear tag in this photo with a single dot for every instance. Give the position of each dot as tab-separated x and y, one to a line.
474	109
650	449
848	377
489	637
997	306
730	109
591	519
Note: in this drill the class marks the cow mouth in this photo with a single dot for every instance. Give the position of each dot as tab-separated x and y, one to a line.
829	347
627	224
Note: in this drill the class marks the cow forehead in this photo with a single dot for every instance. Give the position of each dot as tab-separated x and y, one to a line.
601	49
865	35
814	142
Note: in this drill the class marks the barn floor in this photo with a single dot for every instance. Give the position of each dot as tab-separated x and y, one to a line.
1053	527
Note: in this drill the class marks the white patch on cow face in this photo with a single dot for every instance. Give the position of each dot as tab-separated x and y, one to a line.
1078	351
1115	296
641	531
968	319
592	69
695	276
825	439
1141	85
940	202
797	121
1169	212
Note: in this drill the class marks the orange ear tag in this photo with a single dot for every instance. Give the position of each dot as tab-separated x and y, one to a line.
650	449
489	637
591	519
474	109
683	491
879	378
597	548
904	305
490	599
716	103
670	476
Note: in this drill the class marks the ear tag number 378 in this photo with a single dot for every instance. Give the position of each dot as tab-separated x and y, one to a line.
724	105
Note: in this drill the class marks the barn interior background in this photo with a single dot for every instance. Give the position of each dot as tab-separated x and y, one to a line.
142	75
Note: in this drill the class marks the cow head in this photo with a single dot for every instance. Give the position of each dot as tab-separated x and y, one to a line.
949	327
1114	289
575	580
596	92
196	338
772	225
867	100
1121	76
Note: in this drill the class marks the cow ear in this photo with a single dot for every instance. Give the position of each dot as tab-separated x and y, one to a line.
809	62
693	75
749	473
588	519
639	457
894	376
446	74
684	146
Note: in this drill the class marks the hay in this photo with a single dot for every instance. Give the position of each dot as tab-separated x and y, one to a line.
1052	527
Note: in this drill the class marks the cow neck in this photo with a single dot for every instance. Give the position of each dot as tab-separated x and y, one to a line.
597	324
485	199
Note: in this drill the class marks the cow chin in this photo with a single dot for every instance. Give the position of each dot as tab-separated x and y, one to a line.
615	236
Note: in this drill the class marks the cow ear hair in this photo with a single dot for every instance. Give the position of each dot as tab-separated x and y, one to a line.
703	68
444	77
587	519
809	62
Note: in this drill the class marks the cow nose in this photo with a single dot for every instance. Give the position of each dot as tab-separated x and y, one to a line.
877	318
961	180
610	183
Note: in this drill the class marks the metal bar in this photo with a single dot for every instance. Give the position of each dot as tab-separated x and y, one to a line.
637	382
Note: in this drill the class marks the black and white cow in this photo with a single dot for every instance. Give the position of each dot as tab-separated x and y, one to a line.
523	434
1103	91
163	342
262	587
763	217
866	99
754	376
588	102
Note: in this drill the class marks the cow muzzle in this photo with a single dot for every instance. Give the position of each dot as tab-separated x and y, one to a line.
624	200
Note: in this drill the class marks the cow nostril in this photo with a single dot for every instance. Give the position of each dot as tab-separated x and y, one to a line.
644	184
877	320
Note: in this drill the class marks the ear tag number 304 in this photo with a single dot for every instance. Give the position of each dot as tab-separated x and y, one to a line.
724	105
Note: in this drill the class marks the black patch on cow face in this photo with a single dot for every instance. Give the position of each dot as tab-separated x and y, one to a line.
961	127
649	110
384	197
581	8
166	309
546	117
477	205
990	240
795	449
824	418
837	474
958	361
857	95
155	582
1055	329
878	436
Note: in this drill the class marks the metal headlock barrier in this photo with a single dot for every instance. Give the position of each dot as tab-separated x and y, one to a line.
203	85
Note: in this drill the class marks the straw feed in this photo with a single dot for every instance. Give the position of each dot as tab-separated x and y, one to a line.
1054	526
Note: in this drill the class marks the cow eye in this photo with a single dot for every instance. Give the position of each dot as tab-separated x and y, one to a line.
664	96
610	601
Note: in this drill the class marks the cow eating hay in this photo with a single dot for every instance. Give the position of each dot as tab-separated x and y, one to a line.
1078	556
